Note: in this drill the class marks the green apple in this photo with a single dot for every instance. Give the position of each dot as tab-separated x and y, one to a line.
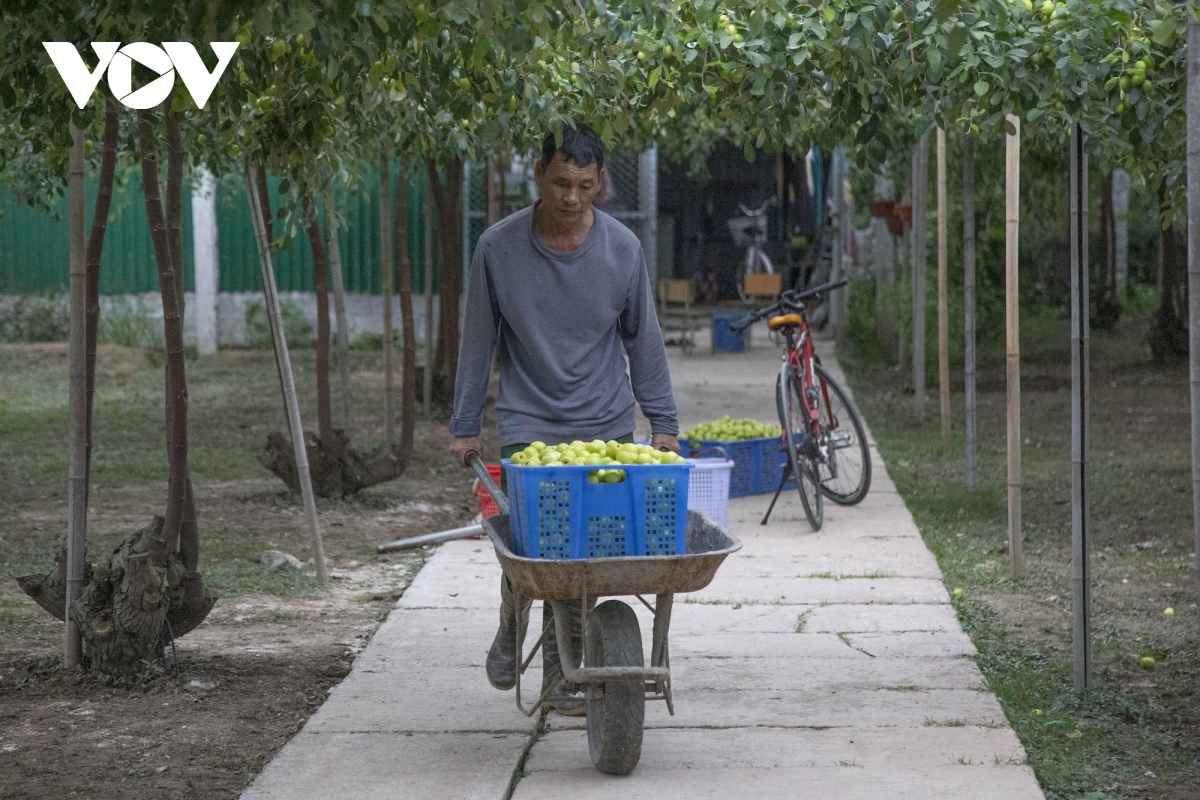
1147	662
1169	612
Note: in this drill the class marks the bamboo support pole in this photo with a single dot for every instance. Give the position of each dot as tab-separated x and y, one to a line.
389	347
969	305
339	310
919	268
1193	255
1012	179
1080	545
943	297
76	398
286	379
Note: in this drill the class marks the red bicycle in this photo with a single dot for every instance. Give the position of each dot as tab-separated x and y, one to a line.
822	433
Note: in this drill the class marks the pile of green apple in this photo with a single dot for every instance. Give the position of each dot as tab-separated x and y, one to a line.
593	453
726	429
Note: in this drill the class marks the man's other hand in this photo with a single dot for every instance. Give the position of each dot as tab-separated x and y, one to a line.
665	441
465	444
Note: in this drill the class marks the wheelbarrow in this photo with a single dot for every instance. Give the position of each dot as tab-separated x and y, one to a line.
611	671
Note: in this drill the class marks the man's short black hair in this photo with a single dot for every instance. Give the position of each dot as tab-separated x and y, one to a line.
581	146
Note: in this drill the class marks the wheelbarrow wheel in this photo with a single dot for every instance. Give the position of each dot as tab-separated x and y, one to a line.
615	716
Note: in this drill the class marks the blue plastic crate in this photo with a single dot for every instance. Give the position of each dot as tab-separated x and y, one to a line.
758	464
723	337
556	513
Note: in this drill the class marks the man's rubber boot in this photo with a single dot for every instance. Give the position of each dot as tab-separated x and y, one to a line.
502	658
552	674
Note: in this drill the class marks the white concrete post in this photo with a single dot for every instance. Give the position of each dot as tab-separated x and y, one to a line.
1120	204
206	259
648	205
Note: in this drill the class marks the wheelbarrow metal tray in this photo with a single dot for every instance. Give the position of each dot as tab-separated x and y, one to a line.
570	579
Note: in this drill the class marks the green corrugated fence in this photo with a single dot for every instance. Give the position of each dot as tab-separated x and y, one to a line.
35	248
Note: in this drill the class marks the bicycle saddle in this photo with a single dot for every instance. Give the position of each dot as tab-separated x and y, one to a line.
784	319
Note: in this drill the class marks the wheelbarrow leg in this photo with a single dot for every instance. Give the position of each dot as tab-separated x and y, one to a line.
659	652
523	664
787	472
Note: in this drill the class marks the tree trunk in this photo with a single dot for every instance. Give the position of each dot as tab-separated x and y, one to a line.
336	469
448	199
494	180
339	309
1107	307
145	592
95	249
321	287
1168	331
189	532
176	399
408	377
127	609
389	350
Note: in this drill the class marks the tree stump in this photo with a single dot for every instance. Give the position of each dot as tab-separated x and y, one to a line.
336	468
130	608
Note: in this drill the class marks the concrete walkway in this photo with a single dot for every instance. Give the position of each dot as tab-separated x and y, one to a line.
823	665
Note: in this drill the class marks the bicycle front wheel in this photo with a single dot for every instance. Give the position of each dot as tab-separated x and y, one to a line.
797	433
845	467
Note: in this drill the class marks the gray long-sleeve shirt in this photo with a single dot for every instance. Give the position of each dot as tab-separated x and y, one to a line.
556	322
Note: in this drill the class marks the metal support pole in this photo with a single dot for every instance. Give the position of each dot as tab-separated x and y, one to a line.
1012	185
943	296
844	234
427	383
969	304
1193	254
838	270
1080	546
919	268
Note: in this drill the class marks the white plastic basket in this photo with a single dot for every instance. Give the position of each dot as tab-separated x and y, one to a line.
708	489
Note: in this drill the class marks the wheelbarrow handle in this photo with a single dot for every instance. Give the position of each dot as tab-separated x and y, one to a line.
476	463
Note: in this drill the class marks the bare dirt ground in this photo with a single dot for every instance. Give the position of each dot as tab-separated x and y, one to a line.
275	643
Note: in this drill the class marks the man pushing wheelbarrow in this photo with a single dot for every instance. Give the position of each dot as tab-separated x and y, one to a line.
557	293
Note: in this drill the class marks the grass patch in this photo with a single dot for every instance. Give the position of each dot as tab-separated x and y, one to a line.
1132	734
236	576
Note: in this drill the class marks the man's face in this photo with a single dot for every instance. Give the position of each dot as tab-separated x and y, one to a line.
566	189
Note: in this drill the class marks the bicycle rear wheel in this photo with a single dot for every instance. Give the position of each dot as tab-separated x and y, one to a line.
845	470
797	432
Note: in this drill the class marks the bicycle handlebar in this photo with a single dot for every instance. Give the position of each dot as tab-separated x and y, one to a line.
788	301
770	201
